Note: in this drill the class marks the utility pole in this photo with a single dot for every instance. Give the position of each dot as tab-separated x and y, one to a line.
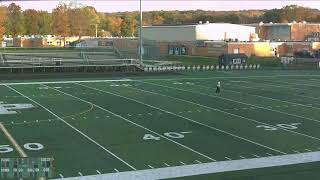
96	30
140	35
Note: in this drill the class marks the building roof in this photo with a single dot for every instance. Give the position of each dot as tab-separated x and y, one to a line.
192	25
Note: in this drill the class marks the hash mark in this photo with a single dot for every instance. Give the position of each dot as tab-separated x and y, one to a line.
98	171
187	132
80	173
61	175
228	158
116	170
296	151
182	163
150	166
255	155
242	157
198	161
167	164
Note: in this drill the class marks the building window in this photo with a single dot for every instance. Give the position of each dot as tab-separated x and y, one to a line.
236	51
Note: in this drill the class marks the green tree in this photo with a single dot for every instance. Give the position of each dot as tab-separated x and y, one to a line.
44	24
128	25
83	21
31	21
14	25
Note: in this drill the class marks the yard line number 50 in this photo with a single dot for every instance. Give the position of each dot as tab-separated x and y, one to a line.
27	146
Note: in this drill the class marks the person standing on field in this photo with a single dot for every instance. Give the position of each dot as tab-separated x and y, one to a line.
218	87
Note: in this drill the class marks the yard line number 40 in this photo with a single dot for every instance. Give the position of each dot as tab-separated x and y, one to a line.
173	135
27	146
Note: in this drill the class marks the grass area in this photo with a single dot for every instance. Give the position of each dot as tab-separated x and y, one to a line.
152	122
265	61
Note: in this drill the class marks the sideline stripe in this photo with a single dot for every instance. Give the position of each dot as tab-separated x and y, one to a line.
77	130
209	168
152	79
63	82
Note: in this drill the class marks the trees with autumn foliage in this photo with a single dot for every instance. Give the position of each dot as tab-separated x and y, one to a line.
3	18
60	20
71	20
14	22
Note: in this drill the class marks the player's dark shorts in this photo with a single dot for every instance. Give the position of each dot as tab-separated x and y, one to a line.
218	89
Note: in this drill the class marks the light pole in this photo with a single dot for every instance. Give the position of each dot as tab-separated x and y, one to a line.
140	35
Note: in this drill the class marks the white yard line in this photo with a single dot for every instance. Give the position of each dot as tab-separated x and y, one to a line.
221	111
77	130
309	136
138	125
265	97
209	168
191	120
239	102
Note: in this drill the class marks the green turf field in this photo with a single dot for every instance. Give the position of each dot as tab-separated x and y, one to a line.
105	126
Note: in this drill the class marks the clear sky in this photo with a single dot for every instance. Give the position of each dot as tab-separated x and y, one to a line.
132	5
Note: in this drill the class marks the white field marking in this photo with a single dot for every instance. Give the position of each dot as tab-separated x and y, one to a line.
255	155
152	79
269	154
13	141
296	151
296	104
288	87
242	157
182	163
116	170
63	82
61	175
198	161
223	77
98	171
80	173
309	136
228	158
235	115
77	130
186	132
308	150
138	125
301	85
191	120
150	166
